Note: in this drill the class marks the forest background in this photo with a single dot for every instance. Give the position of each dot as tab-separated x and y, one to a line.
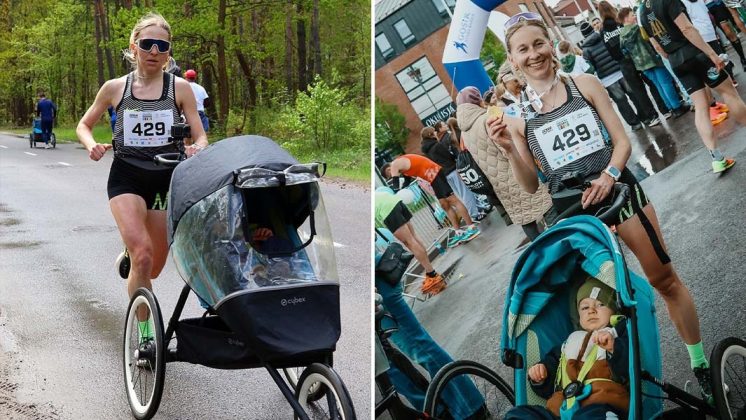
297	71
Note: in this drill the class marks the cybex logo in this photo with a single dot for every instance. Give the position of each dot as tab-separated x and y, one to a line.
294	301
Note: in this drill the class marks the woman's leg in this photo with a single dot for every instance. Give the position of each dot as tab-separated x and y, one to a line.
156	225
405	234
663	278
130	213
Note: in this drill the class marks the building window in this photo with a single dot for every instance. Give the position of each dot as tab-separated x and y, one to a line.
384	46
425	91
523	7
404	32
443	5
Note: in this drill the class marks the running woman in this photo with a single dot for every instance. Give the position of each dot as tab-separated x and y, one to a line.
581	105
696	64
148	101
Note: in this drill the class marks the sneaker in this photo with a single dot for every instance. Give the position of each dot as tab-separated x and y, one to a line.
680	111
704	379
480	216
652	123
123	264
720	107
667	115
47	146
717	117
469	233
454	240
722	165
433	285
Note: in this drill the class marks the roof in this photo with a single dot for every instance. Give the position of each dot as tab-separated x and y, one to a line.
386	8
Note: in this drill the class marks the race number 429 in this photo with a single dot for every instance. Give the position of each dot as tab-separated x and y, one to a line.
147	128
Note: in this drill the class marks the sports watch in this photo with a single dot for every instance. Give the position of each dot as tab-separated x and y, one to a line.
613	172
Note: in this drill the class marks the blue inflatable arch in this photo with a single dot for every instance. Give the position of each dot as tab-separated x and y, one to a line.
465	39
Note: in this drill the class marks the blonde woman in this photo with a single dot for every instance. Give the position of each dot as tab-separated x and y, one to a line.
148	101
529	146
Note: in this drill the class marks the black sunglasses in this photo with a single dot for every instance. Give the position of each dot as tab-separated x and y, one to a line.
146	44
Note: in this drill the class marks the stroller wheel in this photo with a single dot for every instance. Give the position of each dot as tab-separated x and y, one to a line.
728	368
468	377
335	402
144	363
53	140
31	140
292	375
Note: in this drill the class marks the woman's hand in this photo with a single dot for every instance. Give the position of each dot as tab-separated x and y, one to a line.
98	150
537	373
498	132
599	189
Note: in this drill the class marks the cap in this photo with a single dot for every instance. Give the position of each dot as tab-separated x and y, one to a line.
190	74
594	288
586	28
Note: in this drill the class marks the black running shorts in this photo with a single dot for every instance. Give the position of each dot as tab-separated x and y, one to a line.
151	185
441	187
721	13
398	217
692	72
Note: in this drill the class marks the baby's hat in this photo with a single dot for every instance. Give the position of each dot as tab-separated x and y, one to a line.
594	288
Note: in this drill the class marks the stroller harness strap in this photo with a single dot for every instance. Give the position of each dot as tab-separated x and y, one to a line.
563	376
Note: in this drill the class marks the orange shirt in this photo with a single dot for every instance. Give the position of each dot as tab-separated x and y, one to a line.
421	167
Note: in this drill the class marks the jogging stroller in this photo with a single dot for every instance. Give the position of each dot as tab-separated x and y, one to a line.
249	235
540	314
36	135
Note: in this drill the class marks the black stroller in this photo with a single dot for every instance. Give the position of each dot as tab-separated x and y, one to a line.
249	235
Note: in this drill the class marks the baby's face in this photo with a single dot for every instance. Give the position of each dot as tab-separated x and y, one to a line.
594	314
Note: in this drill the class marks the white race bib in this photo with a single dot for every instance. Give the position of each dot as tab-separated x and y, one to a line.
147	128
570	138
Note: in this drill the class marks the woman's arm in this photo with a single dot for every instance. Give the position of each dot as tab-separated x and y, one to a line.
85	126
596	94
188	105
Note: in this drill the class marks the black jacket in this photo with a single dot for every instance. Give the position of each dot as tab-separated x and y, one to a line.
610	33
597	55
438	154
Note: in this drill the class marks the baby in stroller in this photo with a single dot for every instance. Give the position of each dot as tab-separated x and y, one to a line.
591	386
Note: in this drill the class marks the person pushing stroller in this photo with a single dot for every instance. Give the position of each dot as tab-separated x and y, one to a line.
599	377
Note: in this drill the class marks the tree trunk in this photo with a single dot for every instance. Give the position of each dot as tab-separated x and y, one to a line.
222	73
99	53
106	35
301	33
315	41
289	48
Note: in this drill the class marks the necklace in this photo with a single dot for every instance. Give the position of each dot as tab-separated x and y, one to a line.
535	98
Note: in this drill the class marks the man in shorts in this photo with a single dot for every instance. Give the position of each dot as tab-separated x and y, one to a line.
723	17
412	165
391	213
696	64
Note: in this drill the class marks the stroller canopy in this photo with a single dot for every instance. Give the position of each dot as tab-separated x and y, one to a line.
540	308
216	167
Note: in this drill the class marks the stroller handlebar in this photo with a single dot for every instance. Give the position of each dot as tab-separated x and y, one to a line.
621	193
168	159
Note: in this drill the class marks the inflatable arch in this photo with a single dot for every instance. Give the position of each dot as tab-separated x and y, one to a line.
471	18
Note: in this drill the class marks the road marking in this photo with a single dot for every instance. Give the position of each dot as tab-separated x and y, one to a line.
63	163
4	147
29	153
338	245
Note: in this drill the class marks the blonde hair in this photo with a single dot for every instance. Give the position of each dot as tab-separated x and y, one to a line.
537	24
150	19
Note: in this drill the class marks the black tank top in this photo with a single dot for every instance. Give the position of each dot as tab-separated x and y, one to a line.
143	156
570	132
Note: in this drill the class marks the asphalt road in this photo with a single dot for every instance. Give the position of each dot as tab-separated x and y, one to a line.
62	305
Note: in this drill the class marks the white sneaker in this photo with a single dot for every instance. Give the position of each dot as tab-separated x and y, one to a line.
47	146
655	121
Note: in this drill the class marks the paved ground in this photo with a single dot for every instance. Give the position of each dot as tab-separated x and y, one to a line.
62	305
702	218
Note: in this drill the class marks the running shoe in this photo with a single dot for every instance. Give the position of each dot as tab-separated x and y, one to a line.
721	107
454	240
717	117
680	111
652	123
722	165
123	264
704	379
433	285
667	115
469	233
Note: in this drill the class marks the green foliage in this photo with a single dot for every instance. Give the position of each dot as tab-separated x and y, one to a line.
391	127
493	50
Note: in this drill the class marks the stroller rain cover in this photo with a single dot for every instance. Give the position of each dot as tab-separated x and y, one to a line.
280	294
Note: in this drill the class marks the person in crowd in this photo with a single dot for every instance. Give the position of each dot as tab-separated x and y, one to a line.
490	97
528	145
609	72
648	61
723	17
596	24
697	65
436	151
510	83
636	87
526	209
393	214
411	165
200	94
572	64
47	111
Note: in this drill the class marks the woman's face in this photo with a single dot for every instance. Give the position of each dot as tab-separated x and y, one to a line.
532	53
153	60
